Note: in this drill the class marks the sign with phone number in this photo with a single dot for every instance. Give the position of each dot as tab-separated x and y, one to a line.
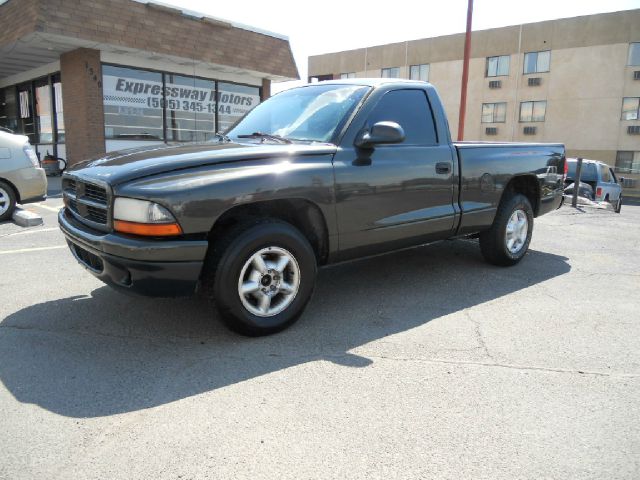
133	92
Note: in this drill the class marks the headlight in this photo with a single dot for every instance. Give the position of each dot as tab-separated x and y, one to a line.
31	154
141	217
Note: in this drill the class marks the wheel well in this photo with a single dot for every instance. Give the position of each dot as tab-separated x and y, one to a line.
15	190
302	214
527	186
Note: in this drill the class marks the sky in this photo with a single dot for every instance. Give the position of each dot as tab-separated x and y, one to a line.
333	25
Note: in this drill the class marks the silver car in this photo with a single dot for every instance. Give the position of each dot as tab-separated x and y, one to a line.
602	179
21	178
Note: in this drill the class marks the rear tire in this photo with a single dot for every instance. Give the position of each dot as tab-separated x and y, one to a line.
7	201
277	292
619	204
507	241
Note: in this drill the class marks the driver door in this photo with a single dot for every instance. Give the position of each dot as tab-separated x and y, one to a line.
393	196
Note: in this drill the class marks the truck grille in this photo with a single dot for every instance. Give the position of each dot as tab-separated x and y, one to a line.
88	202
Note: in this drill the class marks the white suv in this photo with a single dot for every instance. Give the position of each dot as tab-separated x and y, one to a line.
21	178
601	178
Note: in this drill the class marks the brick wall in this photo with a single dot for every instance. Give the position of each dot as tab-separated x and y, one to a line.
266	89
155	29
82	98
18	18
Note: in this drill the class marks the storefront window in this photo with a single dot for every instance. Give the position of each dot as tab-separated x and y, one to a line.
8	109
132	103
57	105
145	105
234	101
26	122
34	109
43	111
190	108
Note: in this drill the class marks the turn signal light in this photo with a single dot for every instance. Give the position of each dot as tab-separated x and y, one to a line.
148	229
599	192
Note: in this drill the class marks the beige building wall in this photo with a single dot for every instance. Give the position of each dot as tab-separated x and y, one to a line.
584	88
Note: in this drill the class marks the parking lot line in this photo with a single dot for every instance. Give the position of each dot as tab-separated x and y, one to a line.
35	249
47	207
29	231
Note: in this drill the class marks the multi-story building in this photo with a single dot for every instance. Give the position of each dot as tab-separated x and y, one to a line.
574	80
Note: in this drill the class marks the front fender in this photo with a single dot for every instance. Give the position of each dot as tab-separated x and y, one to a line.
199	196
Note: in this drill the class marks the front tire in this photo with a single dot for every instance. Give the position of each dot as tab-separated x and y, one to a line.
507	241
260	275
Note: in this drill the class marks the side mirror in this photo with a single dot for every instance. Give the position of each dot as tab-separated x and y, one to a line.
381	133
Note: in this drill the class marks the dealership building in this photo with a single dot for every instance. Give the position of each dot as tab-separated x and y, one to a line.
85	78
574	80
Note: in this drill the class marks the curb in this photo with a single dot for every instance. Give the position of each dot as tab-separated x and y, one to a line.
25	218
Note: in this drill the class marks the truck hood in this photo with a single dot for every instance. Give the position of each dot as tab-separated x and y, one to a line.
125	165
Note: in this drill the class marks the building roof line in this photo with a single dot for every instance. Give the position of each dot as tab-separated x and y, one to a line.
200	16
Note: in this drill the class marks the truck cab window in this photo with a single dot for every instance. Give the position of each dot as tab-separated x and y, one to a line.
409	109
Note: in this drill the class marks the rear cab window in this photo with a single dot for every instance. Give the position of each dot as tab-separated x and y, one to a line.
589	172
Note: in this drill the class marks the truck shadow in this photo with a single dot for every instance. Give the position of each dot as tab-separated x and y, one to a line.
107	353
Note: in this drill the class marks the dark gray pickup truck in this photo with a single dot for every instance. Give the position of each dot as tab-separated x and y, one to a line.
315	175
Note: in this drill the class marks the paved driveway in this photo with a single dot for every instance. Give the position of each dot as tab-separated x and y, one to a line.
426	363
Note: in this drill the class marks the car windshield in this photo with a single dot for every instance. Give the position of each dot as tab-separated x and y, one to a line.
587	174
312	113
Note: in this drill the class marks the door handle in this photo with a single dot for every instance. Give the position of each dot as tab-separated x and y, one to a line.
443	167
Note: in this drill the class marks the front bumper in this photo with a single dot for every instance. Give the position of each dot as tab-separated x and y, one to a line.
158	268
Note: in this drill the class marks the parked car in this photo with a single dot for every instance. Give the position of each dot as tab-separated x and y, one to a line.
314	175
21	178
600	177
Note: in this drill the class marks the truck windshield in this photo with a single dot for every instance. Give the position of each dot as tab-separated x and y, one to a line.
312	113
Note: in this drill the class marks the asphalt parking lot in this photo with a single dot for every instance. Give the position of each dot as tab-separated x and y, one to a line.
427	363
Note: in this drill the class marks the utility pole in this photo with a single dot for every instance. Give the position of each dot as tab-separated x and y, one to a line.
465	73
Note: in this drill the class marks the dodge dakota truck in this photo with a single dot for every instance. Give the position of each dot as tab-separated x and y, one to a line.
315	175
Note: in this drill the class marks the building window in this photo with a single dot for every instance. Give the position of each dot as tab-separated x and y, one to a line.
34	109
145	105
58	108
133	103
344	76
234	101
393	72
190	121
533	111
498	66
537	62
8	109
634	54
44	114
494	112
419	72
630	108
628	162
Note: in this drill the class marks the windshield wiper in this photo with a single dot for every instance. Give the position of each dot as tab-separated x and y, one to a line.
222	138
267	136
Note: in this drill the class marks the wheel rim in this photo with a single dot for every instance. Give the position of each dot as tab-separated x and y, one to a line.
517	231
269	281
5	201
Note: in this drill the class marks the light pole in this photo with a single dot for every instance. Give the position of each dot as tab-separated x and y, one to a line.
465	73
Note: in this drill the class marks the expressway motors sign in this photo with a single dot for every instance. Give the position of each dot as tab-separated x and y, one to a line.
132	92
